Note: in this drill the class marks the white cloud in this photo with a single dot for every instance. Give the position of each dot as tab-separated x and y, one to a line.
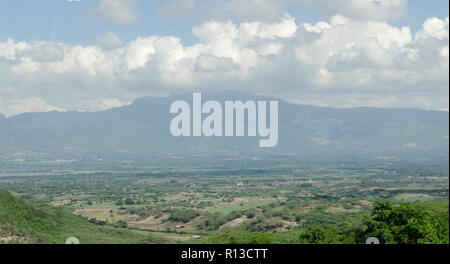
117	11
342	62
102	104
33	104
434	28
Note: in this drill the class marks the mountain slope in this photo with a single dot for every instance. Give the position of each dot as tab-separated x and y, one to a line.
25	222
143	127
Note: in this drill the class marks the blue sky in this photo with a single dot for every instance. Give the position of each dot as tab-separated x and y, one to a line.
72	22
92	55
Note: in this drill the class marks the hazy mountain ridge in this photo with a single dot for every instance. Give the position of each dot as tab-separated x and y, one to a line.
303	130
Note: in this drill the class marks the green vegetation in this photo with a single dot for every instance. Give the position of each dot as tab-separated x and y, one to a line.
409	223
184	216
398	203
27	222
310	235
419	223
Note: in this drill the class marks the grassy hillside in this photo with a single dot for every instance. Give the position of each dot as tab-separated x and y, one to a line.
26	222
407	223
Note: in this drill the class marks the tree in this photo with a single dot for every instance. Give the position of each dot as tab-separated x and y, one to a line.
324	235
129	201
121	224
403	224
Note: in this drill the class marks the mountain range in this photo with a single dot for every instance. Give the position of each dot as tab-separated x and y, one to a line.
143	127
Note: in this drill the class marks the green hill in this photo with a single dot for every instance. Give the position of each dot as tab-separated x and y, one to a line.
26	222
407	223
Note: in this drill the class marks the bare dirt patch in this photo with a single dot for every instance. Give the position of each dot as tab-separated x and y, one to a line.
235	223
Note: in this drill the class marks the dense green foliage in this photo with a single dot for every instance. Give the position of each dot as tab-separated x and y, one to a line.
183	216
310	235
273	205
407	223
25	222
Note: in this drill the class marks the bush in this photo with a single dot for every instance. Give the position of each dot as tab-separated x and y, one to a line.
129	201
184	216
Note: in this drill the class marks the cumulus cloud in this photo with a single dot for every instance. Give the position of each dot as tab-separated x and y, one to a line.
342	62
117	11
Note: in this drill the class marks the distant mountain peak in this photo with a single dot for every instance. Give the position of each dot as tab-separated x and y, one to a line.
143	127
221	96
226	95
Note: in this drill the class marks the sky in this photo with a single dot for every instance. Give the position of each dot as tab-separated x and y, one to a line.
91	55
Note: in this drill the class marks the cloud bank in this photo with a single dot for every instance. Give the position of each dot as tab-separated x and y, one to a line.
341	62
